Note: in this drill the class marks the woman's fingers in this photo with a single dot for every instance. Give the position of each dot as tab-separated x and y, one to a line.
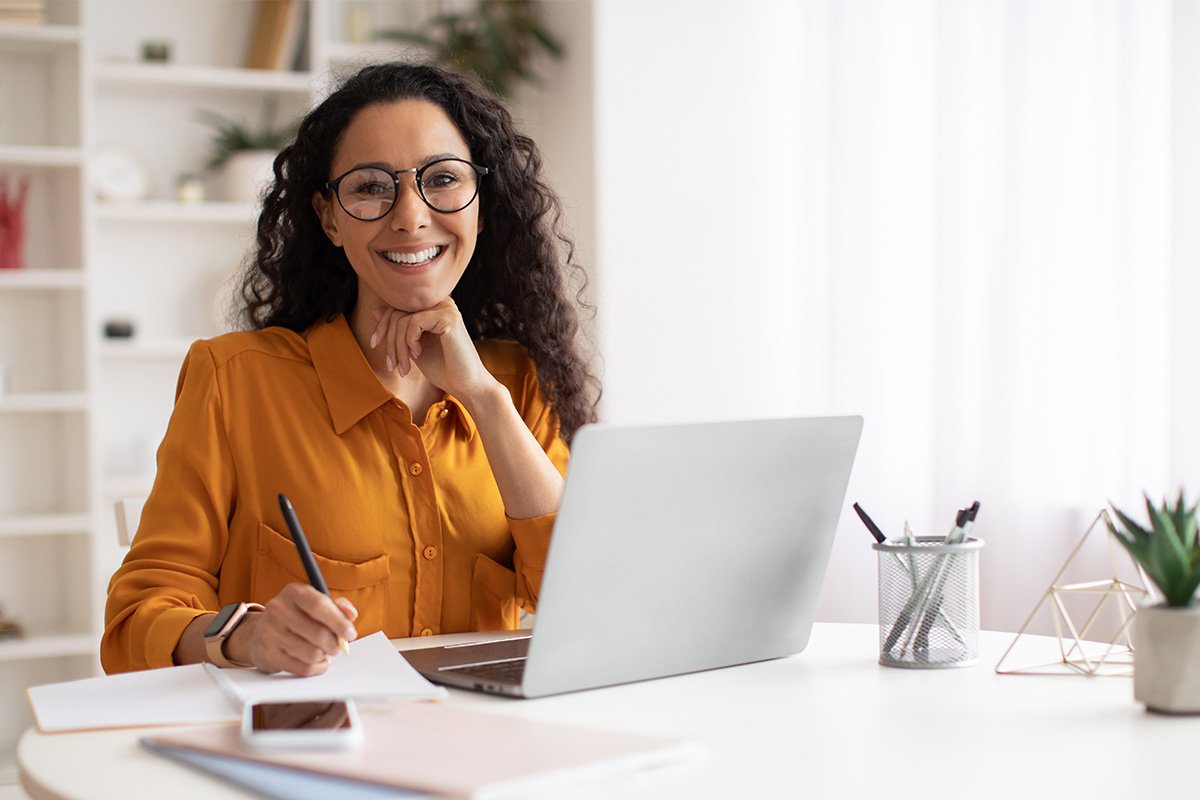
300	629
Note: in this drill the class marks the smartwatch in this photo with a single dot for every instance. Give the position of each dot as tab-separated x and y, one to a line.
220	629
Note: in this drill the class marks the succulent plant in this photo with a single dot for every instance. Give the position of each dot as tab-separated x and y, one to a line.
1169	552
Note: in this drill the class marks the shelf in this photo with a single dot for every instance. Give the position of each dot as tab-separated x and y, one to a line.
225	78
45	525
18	155
171	211
145	350
41	402
39	38
375	50
33	647
41	279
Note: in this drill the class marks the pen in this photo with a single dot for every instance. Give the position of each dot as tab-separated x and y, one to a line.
870	523
306	557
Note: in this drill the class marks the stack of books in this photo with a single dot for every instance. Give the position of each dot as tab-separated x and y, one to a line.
22	12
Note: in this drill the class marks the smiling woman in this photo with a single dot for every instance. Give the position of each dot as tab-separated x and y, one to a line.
410	380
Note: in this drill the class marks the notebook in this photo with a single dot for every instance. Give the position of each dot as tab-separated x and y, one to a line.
677	548
200	693
433	747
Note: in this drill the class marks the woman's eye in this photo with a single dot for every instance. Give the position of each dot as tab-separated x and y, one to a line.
440	180
372	188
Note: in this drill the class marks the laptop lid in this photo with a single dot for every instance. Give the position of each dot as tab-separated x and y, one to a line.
680	548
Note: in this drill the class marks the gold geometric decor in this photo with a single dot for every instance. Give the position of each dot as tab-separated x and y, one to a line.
1077	655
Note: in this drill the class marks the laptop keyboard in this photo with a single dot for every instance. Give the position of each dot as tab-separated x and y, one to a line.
508	670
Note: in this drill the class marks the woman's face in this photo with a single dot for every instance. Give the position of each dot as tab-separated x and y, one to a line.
413	257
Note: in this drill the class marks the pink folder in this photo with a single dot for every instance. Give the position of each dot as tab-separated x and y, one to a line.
438	748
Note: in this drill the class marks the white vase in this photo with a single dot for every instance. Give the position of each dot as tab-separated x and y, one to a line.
1166	658
246	175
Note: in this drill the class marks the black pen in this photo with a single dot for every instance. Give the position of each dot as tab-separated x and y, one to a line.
306	557
870	523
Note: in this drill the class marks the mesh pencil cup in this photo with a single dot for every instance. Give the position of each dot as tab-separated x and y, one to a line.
929	603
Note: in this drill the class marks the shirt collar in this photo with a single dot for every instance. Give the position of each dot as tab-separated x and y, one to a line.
465	423
350	386
351	389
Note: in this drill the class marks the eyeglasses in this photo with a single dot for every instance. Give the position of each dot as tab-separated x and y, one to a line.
446	185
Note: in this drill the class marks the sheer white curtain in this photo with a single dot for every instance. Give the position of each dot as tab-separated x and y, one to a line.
988	252
998	179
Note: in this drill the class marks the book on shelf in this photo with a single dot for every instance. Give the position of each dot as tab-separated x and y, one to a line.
22	12
275	39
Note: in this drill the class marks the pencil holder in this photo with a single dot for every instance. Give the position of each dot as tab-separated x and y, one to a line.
929	603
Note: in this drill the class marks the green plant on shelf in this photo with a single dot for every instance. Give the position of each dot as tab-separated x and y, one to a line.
495	40
1168	552
231	136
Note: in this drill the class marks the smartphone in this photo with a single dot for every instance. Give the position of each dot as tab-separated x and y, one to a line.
320	723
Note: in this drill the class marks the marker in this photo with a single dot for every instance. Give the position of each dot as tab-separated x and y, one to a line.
306	557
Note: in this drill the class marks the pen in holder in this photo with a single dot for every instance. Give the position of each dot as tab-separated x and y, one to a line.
929	602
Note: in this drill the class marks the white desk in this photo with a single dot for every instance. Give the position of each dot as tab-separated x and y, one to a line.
828	723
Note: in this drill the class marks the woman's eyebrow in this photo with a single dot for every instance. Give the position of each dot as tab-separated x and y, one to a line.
389	168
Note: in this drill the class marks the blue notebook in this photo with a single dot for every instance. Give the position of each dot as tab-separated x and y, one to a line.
279	783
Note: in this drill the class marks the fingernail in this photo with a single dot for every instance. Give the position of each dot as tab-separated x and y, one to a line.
350	634
374	340
391	363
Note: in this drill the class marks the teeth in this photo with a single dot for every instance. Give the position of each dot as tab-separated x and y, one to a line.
413	258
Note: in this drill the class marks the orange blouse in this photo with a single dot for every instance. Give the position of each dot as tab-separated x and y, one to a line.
405	520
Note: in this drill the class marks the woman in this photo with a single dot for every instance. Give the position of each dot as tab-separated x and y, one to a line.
410	382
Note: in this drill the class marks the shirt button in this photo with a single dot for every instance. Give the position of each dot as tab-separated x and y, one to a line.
415	469
431	552
445	412
427	631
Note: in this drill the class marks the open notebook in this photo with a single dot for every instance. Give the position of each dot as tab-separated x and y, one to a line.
200	693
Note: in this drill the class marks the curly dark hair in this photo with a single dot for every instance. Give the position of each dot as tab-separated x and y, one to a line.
515	286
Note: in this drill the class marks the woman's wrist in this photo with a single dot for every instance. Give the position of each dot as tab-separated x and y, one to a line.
488	397
237	646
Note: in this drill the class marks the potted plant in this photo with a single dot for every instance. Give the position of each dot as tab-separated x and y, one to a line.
495	40
241	155
1166	635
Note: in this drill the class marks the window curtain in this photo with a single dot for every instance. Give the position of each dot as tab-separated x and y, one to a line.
1000	273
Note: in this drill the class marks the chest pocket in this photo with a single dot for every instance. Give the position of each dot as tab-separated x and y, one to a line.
363	583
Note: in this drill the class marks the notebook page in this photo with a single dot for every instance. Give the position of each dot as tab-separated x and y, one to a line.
168	696
372	670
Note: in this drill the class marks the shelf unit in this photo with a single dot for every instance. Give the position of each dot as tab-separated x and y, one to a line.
46	424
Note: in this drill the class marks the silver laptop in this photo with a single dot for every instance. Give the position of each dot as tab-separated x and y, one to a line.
677	548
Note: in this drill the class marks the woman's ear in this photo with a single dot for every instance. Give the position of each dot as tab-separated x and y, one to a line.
323	205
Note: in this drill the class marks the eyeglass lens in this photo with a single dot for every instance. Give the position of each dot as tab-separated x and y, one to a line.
447	186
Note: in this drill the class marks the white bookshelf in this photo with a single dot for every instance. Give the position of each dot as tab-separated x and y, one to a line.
46	468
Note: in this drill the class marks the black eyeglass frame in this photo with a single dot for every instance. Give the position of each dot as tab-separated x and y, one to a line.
418	174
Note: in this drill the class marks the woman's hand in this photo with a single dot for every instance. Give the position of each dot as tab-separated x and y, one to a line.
436	340
297	632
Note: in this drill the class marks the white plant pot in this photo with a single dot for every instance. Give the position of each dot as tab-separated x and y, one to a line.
1166	658
246	175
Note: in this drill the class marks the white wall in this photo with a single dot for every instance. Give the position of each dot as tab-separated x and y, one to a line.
698	282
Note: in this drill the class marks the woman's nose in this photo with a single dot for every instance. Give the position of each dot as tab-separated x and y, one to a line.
410	212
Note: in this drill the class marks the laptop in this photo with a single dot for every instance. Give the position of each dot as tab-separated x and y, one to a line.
676	549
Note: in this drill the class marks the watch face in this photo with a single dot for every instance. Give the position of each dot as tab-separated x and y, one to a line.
220	619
